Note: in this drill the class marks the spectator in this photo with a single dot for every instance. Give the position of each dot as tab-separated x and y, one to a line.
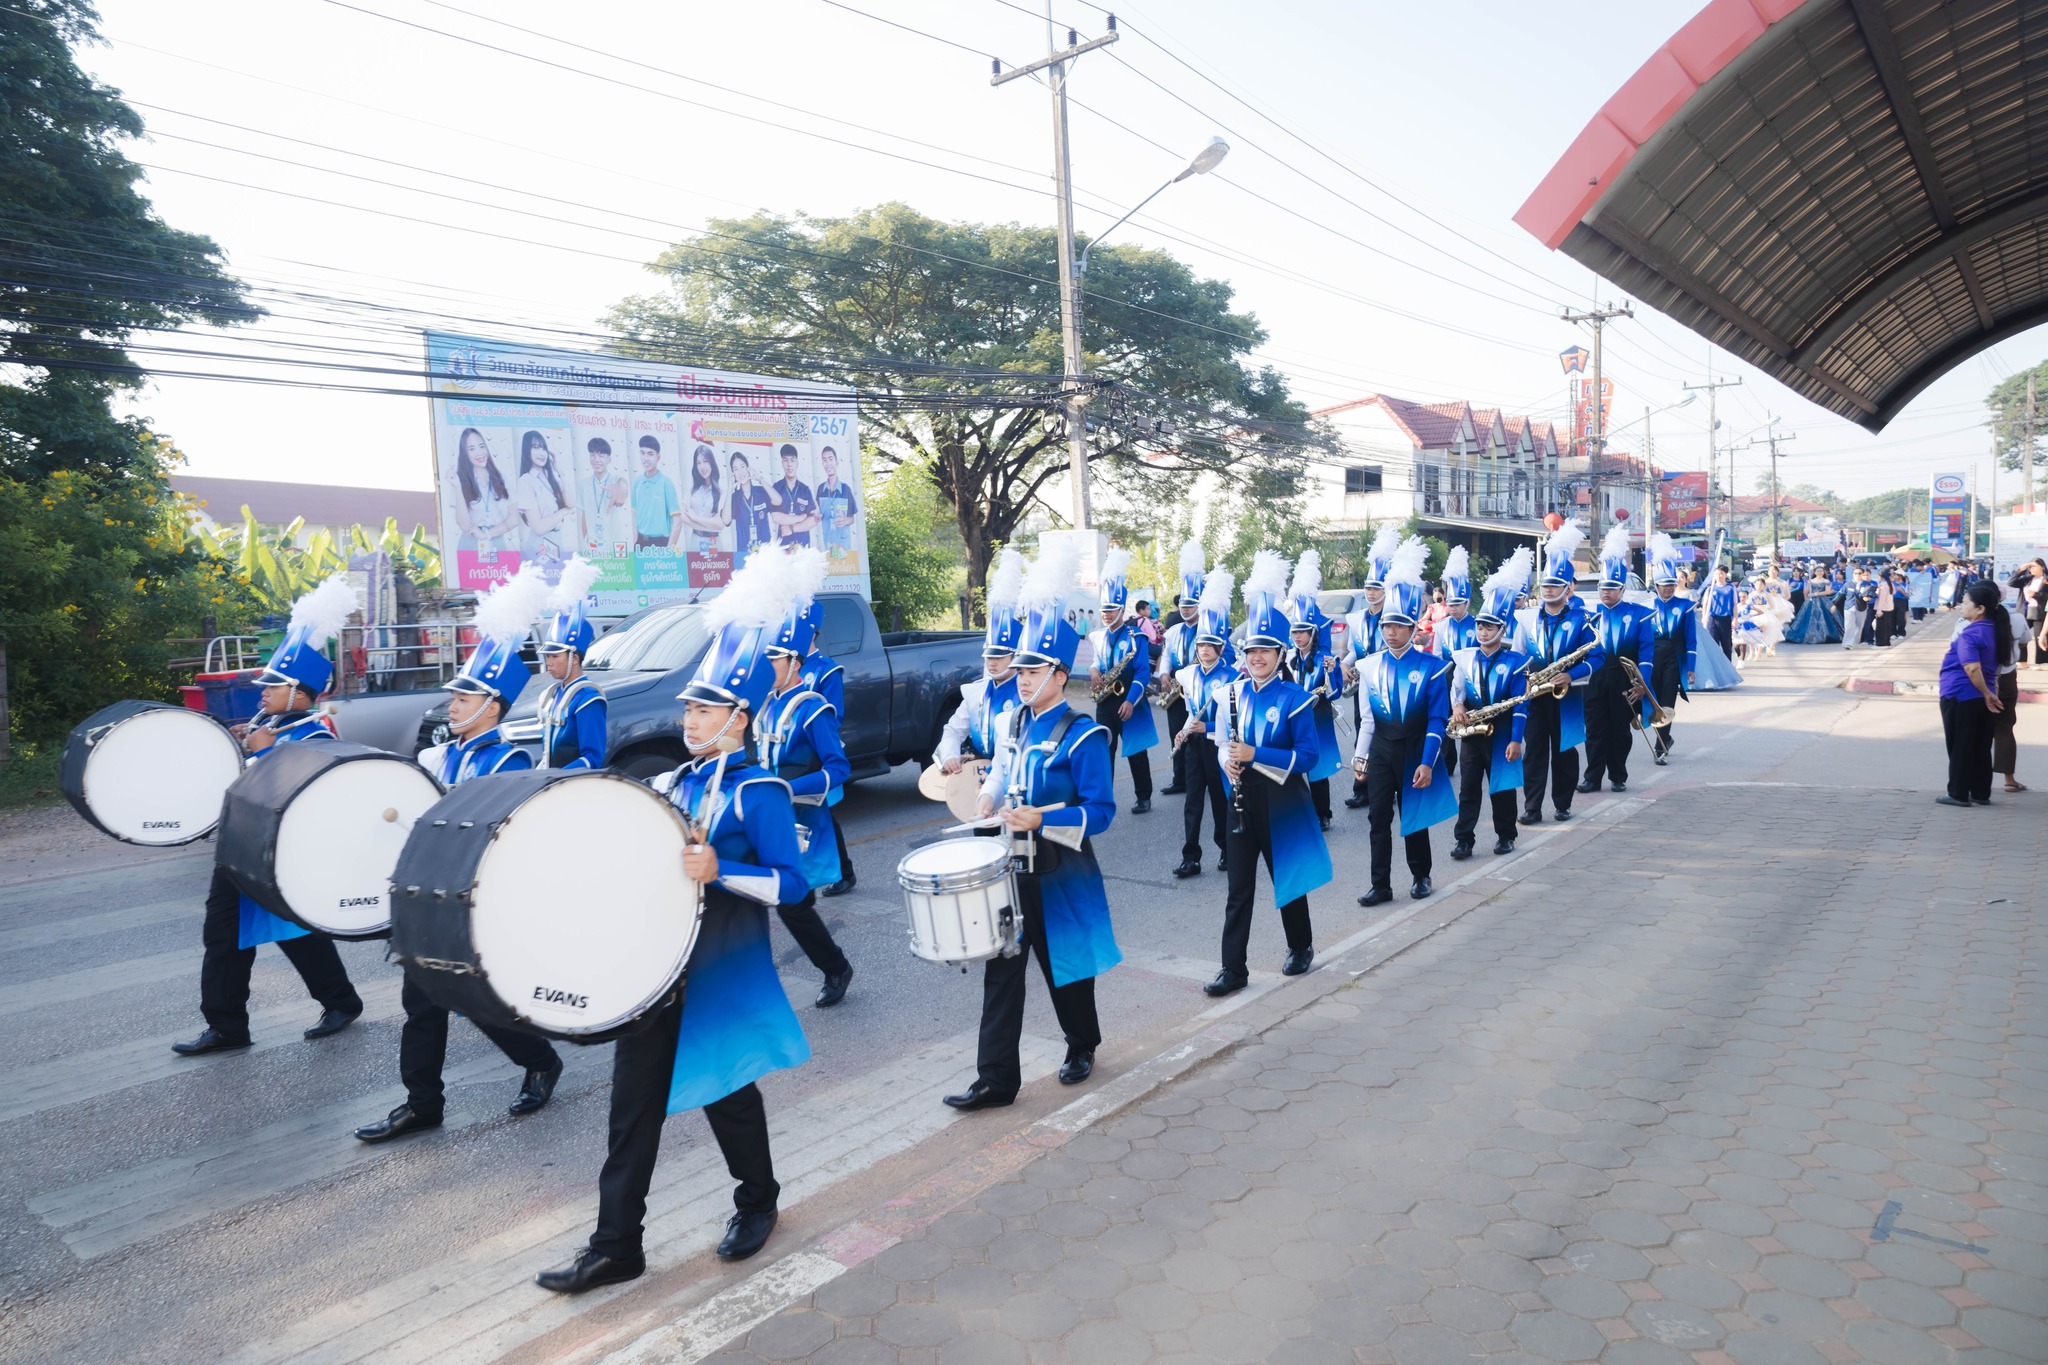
2005	745
1969	696
1146	625
1857	597
2032	581
1882	614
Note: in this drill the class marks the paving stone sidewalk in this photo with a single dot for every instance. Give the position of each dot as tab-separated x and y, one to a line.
1660	1107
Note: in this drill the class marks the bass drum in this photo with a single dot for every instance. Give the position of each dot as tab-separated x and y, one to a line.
312	830
548	901
148	773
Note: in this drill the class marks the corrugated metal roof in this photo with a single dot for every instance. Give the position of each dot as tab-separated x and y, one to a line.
276	503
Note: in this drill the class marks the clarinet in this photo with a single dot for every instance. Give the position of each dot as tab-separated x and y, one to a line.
1237	825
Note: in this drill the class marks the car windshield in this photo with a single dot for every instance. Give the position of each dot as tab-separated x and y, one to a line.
659	642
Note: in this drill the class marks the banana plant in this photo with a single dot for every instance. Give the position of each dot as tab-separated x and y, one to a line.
279	571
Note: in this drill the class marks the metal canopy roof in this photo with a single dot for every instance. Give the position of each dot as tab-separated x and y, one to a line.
1851	195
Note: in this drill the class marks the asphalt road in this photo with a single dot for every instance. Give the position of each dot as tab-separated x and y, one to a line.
217	1208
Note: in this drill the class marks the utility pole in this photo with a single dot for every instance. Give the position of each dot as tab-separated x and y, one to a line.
1714	453
2027	451
1649	489
1994	501
1774	438
1055	63
1596	443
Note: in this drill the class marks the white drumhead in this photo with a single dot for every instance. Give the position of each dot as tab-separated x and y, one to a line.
953	855
340	836
581	915
158	777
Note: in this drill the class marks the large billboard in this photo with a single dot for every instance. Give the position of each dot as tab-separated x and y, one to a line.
1948	508
667	477
1682	504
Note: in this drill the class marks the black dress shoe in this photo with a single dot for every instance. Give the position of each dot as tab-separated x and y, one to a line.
334	1021
834	989
1662	761
1326	823
590	1270
746	1232
977	1096
1226	983
1077	1068
1561	813
1176	789
1462	850
1223	864
1141	805
1422	890
1617	786
1585	787
209	1041
1503	846
1188	869
840	887
397	1123
1533	815
1297	961
1379	895
1354	802
537	1091
1943	800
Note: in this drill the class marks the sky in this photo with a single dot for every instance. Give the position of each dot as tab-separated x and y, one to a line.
490	164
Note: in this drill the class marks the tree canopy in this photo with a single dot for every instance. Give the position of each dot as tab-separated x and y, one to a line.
2008	403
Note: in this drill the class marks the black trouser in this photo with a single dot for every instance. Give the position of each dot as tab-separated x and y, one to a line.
1387	772
845	858
2005	749
1542	757
1609	736
423	1047
1176	717
1884	629
1920	614
1722	628
1358	791
1966	727
1667	675
808	929
1141	764
1245	851
224	970
1319	792
1798	600
1205	787
643	1064
1899	616
1002	999
1475	768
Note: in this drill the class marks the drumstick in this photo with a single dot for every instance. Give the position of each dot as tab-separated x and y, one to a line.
700	830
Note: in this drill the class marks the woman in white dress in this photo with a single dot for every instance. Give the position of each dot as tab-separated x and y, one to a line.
705	514
484	514
546	504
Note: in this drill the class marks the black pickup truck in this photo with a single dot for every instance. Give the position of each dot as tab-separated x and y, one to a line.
900	687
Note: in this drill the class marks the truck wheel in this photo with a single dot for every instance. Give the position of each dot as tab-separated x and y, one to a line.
646	765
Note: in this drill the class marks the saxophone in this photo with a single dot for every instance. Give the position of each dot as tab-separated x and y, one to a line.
1477	724
1113	684
1541	679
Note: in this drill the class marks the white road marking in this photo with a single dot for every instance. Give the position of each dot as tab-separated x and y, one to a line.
731	1313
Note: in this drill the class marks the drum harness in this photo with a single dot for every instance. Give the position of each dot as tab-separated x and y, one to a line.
1023	846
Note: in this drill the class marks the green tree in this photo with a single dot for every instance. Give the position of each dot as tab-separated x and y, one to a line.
2009	423
952	333
909	564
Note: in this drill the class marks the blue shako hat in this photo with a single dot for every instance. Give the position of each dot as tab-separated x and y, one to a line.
503	621
1005	627
1265	591
1558	568
1404	584
570	632
1048	641
798	631
1663	557
1191	576
758	609
1380	557
1503	586
1303	608
1212	625
1458	575
316	617
1116	588
1614	558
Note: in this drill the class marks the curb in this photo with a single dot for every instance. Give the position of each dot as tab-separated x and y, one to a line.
1897	688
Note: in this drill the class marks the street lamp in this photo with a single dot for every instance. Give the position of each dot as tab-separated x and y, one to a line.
1201	163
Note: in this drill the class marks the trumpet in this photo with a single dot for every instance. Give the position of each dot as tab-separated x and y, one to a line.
1113	684
1659	715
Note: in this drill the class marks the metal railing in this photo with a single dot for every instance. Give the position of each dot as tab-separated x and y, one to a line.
399	658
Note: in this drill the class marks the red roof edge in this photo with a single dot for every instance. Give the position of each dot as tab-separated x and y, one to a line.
1646	101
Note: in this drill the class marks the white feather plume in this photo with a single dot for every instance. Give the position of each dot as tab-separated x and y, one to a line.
1512	575
1216	589
1115	563
1191	558
1385	540
1661	547
1411	557
1458	564
767	588
1007	580
325	610
1308	575
1564	542
1614	545
1267	579
508	611
573	585
1052	574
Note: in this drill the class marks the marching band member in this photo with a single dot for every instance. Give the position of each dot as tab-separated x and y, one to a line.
1058	767
1557	721
733	1024
1487	674
1624	630
1311	668
292	683
1120	650
1458	630
1267	733
478	698
572	710
797	739
1400	755
1177	654
1364	637
1677	627
1202	683
826	676
977	720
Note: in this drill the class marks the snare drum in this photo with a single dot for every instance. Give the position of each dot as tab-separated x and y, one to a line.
311	832
549	901
962	898
148	773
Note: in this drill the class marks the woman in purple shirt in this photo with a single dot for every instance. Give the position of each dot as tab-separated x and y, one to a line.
1969	696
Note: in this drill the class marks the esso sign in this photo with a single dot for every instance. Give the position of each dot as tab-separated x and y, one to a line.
1948	484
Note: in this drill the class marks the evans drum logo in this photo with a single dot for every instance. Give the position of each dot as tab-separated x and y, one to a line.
1948	484
163	824
547	995
352	902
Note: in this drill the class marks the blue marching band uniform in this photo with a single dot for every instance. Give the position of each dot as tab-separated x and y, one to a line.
573	712
1460	629
1407	705
1363	637
1202	685
826	676
1121	650
976	724
1557	725
1310	666
1488	674
1177	654
1675	625
1625	631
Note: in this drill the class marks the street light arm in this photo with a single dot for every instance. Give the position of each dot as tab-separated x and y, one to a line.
1081	262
